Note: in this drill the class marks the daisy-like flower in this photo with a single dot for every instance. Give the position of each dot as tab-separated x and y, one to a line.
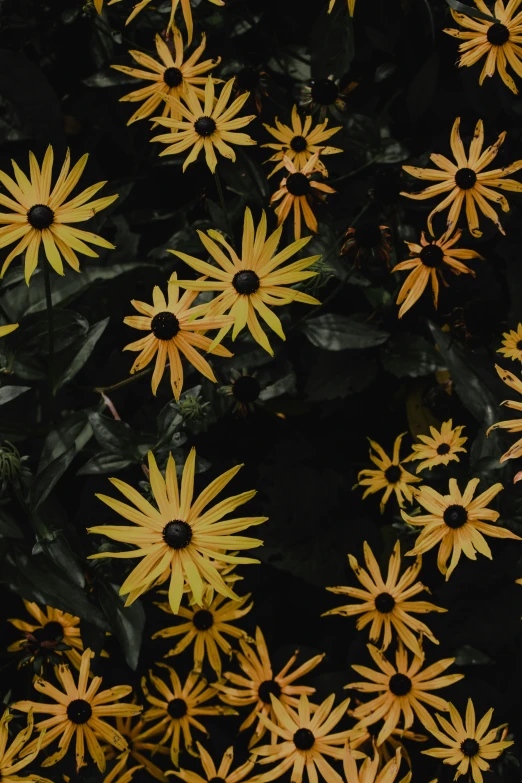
177	710
466	182
300	142
305	740
142	743
49	632
244	388
295	192
497	40
205	127
512	344
257	684
222	773
10	765
441	449
325	93
457	522
7	329
40	215
368	771
365	242
205	628
171	76
387	749
390	475
467	745
386	604
247	283
78	711
511	425
179	534
174	329
428	262
186	10
403	690
351	6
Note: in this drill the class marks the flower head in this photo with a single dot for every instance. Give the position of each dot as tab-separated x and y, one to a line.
512	344
365	242
390	475
368	771
439	449
52	633
244	389
212	772
10	762
511	425
142	747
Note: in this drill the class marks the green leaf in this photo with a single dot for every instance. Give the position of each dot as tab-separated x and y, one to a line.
104	463
74	430
45	481
422	86
332	43
76	356
8	525
127	623
8	393
410	355
469	11
115	436
340	332
52	543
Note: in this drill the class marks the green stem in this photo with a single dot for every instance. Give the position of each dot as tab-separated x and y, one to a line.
125	381
50	328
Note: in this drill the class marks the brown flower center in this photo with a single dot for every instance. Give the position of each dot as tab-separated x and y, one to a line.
205	126
470	747
177	708
393	474
40	216
498	34
203	619
246	282
79	711
443	448
172	77
399	684
266	688
165	326
432	255
303	739
177	534
465	178
246	389
298	184
455	516
324	91
384	603
298	144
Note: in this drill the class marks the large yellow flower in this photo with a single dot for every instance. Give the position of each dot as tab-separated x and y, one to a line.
142	743
205	127
171	76
51	629
498	40
251	281
369	772
186	9
178	536
78	711
390	475
439	449
386	604
466	182
213	773
511	425
457	522
512	344
41	215
10	762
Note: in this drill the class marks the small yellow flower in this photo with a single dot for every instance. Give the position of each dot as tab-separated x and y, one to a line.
512	344
390	475
49	628
10	762
441	448
511	425
142	743
221	773
368	771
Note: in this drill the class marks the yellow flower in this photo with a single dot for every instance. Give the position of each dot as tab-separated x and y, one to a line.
387	749
351	6
386	605
174	713
40	215
139	740
171	76
468	745
222	773
511	425
7	329
250	281
457	522
390	475
206	629
368	771
173	328
257	683
208	127
52	627
404	689
498	40
512	344
10	765
186	10
178	535
466	181
441	448
77	712
295	192
300	142
428	262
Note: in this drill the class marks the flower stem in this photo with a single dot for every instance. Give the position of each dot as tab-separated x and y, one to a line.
50	330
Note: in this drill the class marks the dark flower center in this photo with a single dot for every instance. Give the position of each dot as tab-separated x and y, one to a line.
79	711
298	144
177	708
443	448
50	632
172	77
324	91
470	747
368	236
165	326
246	389
297	184
205	126
432	255
266	688
203	619
248	79
498	34
465	178
246	282
177	534
393	474
519	345
455	516
40	216
399	684
384	603
303	739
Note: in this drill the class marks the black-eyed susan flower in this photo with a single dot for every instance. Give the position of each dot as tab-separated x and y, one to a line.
512	344
257	683
142	746
399	739
511	425
351	6
171	74
468	745
441	448
369	770
368	241
251	282
386	604
497	40
52	633
209	127
78	711
299	142
42	216
186	10
205	628
389	476
244	389
466	182
326	94
212	772
176	712
179	534
7	329
305	740
402	690
10	762
456	521
427	264
174	330
295	193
